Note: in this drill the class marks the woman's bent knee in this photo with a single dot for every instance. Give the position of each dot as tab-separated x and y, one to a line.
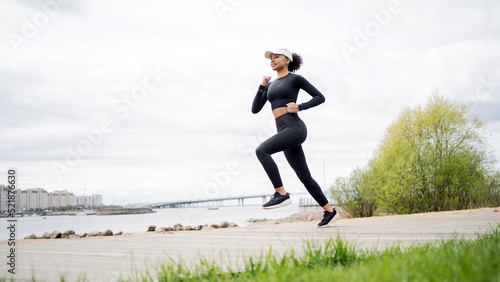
261	151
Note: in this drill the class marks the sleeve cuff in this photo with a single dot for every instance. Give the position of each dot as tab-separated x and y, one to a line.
301	107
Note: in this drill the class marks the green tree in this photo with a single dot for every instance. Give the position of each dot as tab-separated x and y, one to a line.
433	158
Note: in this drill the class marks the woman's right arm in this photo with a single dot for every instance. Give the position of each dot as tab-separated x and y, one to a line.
260	98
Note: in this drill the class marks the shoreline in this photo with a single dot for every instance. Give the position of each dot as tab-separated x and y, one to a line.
296	218
89	212
134	223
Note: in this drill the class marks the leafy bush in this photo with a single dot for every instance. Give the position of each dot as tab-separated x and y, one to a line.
354	194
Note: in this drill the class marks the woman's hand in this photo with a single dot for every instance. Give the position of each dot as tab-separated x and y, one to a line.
292	107
265	80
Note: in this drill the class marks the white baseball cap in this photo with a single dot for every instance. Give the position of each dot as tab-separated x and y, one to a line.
281	51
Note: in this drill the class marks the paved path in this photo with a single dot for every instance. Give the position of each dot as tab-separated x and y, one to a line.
106	258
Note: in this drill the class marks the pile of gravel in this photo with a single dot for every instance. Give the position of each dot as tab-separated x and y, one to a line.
305	216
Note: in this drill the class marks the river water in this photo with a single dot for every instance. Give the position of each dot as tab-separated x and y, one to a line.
136	223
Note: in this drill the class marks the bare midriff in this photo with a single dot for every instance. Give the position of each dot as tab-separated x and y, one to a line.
279	112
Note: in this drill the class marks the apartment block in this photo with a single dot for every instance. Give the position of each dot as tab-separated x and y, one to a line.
93	200
4	198
39	198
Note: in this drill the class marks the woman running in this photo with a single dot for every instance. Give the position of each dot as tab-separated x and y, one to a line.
292	132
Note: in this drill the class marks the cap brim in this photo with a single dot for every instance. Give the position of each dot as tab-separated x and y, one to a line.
269	53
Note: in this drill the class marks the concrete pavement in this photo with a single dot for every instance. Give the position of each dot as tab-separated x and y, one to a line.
108	258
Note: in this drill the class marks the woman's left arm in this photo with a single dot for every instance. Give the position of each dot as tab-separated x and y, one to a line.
317	97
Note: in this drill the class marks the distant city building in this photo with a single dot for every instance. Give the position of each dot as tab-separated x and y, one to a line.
96	200
63	198
54	199
93	200
39	198
4	204
22	198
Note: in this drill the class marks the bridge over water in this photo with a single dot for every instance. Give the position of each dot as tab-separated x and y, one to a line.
216	202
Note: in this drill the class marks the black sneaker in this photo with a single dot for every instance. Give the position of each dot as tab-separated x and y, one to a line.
329	218
277	200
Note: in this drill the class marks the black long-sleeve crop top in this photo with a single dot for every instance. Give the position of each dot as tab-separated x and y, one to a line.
284	90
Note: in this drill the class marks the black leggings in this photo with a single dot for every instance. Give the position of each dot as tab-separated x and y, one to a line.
292	132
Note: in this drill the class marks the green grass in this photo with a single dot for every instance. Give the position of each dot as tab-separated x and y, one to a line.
452	260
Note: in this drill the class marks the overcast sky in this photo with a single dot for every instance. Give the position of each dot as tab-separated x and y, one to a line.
146	101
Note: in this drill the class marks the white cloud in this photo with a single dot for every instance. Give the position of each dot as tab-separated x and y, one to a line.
63	81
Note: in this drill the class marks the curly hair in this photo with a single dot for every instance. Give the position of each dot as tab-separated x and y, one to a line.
296	63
